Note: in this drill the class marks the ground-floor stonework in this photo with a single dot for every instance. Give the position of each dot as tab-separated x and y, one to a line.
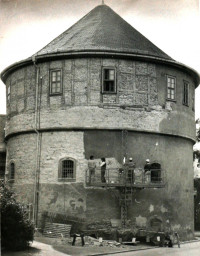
37	181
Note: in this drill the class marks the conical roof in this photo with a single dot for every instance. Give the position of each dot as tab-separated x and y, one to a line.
102	30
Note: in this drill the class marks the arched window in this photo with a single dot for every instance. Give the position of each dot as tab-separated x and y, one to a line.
156	172
67	169
12	171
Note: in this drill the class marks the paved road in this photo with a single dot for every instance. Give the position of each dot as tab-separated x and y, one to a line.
41	249
189	249
37	249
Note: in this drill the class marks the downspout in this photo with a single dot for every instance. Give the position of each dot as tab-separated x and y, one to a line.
37	164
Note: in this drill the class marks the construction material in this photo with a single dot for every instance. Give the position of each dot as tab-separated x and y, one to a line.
56	230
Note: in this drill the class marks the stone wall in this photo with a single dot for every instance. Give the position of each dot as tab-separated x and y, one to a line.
140	102
2	132
2	146
82	122
173	203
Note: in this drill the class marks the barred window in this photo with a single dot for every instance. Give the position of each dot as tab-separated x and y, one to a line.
108	80
67	169
186	93
12	171
171	88
55	82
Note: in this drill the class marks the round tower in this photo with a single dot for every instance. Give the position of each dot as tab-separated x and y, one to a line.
102	89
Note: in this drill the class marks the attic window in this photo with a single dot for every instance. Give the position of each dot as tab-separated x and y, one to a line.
186	93
108	80
55	82
171	88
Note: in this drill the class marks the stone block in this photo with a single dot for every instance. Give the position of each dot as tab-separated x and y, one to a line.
30	103
80	73
20	88
109	98
95	64
153	85
127	66
126	98
68	97
80	98
67	82
95	80
20	104
141	99
152	70
55	101
141	68
31	72
125	81
141	83
109	62
80	87
67	66
55	64
94	97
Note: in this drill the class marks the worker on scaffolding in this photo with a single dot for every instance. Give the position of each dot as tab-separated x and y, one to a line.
130	170
103	169
91	168
147	171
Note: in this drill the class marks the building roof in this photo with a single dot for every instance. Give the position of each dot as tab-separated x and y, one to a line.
102	30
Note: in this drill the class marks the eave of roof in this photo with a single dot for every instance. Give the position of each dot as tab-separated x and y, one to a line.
92	54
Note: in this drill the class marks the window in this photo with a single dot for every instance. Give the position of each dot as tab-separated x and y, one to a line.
8	94
193	102
67	169
186	93
108	80
156	173
55	82
171	88
12	171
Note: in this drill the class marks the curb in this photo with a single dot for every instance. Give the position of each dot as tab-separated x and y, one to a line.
191	241
141	249
130	250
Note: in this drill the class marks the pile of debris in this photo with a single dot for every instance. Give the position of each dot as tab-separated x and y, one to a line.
94	242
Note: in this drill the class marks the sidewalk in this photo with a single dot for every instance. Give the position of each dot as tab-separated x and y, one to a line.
64	246
78	250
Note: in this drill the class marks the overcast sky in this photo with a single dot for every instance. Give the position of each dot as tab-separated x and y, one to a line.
26	26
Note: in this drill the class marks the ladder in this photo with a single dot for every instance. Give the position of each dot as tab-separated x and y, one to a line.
125	200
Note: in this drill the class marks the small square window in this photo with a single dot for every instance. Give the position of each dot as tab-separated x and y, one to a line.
171	88
108	80
186	93
55	82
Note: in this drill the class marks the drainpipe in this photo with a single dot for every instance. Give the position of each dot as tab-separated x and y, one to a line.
37	164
